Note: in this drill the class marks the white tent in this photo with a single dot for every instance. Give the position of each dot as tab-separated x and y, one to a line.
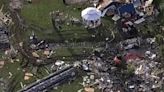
91	17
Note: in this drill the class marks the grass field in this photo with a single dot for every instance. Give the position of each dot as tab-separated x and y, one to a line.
18	76
37	13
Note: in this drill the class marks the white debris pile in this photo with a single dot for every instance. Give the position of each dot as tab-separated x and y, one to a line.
145	76
59	65
150	55
149	79
5	17
94	64
87	81
16	4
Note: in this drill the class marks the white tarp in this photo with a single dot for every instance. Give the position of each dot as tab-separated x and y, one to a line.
91	13
59	63
149	2
139	21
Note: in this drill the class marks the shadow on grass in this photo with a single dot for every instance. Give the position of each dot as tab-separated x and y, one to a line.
63	40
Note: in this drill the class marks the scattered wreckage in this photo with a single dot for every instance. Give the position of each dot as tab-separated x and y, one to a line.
140	74
5	17
5	22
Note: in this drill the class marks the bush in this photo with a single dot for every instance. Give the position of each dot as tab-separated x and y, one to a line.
159	39
161	49
130	70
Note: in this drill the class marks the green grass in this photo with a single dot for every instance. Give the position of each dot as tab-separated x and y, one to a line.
67	51
73	87
38	12
12	67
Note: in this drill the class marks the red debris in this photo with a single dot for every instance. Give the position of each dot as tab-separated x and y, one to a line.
133	56
117	61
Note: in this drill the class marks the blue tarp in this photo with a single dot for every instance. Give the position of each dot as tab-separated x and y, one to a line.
129	8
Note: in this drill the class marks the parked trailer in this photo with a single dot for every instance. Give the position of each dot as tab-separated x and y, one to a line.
52	80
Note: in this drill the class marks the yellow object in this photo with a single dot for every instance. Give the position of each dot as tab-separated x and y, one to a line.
46	52
88	89
28	76
2	64
35	54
